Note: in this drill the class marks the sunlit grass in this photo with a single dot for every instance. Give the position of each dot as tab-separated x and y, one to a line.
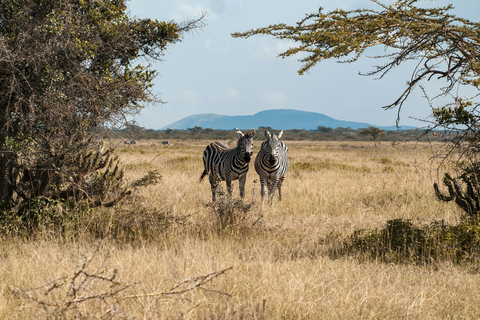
283	257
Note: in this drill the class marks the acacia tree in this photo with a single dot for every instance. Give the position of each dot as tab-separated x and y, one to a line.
195	131
374	132
442	45
68	68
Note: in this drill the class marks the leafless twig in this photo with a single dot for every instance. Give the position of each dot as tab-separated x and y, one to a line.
65	297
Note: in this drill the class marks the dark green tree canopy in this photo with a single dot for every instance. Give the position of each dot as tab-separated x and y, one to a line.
78	56
67	68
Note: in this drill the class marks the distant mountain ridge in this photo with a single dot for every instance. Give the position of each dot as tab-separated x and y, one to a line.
285	119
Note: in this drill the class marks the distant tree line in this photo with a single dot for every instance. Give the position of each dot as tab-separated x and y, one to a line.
373	134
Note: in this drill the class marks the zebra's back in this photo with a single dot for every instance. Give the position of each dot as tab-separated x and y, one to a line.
213	156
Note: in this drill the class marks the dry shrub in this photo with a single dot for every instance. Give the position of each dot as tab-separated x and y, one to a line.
111	209
233	214
132	222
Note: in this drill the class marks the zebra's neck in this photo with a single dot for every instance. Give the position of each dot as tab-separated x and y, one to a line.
238	157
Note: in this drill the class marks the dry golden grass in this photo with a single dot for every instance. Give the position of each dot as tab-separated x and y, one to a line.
282	268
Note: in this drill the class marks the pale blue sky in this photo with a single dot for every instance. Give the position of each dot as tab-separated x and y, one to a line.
211	72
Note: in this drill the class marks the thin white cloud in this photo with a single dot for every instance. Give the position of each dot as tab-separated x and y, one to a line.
213	97
208	42
265	49
217	6
233	93
277	99
190	97
189	9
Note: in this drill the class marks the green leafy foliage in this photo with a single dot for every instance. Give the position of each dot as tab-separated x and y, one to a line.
456	114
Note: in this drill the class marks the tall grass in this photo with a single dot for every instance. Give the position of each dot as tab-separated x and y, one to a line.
287	261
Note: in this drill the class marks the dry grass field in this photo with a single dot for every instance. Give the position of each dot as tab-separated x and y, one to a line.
273	263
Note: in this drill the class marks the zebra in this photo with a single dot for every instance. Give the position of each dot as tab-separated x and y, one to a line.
131	142
222	163
271	165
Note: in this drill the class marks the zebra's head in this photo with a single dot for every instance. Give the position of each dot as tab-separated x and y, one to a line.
272	146
245	144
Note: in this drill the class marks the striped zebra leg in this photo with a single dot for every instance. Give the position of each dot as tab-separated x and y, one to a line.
263	188
228	180
214	184
241	185
279	186
271	190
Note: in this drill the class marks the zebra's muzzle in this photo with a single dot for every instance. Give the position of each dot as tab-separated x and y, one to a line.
272	160
248	156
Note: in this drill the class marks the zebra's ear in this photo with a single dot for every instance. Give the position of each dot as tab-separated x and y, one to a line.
253	133
267	134
240	134
280	134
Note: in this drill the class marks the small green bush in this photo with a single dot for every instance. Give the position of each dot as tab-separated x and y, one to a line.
402	241
112	210
386	161
51	219
45	216
388	169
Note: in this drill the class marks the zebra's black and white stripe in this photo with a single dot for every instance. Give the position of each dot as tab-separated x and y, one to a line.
224	164
271	165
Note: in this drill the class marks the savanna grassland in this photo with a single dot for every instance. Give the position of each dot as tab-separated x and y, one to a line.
280	262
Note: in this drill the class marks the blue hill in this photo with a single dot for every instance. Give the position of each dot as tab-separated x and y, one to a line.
285	119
